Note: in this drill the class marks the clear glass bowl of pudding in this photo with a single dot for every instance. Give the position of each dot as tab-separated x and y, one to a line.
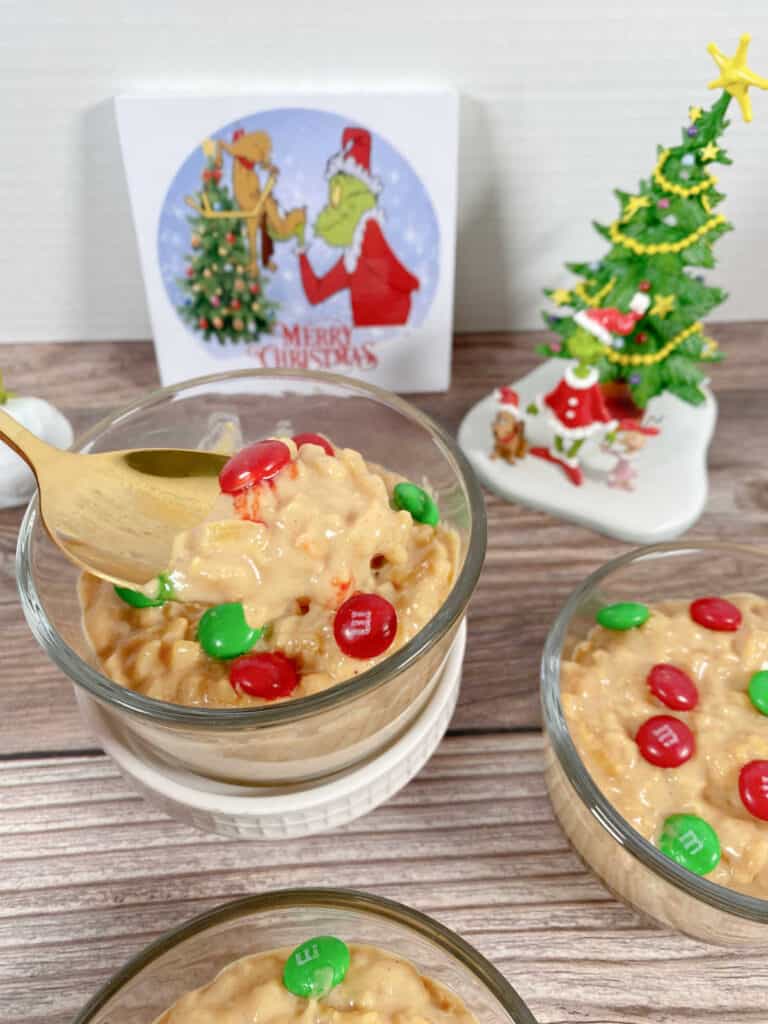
191	956
599	689
295	740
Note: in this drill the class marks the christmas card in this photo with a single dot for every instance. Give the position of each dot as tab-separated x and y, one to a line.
297	232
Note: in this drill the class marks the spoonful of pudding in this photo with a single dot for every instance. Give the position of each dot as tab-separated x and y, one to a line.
117	514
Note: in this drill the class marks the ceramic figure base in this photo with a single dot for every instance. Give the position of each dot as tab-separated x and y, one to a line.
655	495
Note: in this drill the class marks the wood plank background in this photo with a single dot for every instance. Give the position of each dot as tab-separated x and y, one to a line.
89	872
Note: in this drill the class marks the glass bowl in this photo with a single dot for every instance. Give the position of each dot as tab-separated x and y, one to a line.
632	868
314	736
191	956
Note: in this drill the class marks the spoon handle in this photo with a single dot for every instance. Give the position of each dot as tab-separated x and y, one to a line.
24	443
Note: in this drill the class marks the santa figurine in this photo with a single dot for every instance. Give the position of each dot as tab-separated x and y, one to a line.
379	285
576	408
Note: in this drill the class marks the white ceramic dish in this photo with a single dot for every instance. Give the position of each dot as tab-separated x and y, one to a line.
283	812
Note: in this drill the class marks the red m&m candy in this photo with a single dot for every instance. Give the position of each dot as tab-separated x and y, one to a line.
673	687
753	788
254	464
665	741
268	675
317	439
716	613
365	626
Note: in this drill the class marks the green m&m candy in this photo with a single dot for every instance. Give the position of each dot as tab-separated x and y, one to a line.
223	631
624	615
758	692
316	966
138	600
413	499
690	842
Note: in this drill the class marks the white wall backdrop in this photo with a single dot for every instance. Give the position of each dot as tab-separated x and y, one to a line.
562	100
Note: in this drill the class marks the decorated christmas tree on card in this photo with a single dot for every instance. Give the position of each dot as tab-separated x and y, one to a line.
223	286
630	410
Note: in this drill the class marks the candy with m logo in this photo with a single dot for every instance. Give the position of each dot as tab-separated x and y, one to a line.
316	966
691	842
665	741
365	626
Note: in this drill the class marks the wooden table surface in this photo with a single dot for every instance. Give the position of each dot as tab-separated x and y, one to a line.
89	872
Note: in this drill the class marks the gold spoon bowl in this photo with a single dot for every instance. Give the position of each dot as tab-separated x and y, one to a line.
116	514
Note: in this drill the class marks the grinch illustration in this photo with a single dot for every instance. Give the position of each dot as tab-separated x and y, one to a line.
379	285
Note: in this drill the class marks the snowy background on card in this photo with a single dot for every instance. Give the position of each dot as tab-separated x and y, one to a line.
302	143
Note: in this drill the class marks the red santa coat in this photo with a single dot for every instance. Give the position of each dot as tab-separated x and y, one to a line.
379	285
576	406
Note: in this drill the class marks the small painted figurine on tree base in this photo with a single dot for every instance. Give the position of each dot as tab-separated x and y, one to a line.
576	407
637	354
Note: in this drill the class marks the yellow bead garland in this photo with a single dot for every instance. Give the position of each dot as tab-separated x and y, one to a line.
619	238
597	298
654	357
679	190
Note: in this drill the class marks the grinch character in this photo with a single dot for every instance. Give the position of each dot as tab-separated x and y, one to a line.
576	408
508	427
379	285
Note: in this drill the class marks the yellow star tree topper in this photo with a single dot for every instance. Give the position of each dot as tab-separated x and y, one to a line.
651	280
735	77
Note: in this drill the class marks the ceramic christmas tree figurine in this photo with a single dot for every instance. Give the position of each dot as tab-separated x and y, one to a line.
619	418
663	233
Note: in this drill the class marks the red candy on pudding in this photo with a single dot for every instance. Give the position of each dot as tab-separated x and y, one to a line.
665	741
673	687
318	439
753	788
253	465
365	626
268	675
716	613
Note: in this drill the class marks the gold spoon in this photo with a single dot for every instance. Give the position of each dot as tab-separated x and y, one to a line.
116	514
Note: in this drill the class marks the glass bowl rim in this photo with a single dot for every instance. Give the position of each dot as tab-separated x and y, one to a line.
333	899
106	691
558	734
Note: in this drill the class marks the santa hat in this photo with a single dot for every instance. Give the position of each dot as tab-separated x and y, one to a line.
606	323
510	399
354	158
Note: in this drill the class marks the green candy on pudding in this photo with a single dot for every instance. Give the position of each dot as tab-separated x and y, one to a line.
758	691
690	842
623	615
322	981
136	599
223	631
413	499
316	966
